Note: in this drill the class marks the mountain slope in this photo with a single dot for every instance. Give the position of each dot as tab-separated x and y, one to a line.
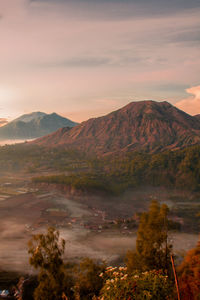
34	125
3	122
197	117
145	125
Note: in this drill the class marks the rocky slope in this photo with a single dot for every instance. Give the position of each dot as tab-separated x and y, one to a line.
143	126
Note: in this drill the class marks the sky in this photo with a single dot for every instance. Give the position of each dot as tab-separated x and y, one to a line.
86	58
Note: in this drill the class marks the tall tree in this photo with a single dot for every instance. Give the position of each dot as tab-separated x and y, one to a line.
152	246
46	255
189	275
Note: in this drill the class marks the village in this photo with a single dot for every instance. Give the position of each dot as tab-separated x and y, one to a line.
55	209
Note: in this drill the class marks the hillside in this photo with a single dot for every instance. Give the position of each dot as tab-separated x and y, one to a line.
139	126
34	125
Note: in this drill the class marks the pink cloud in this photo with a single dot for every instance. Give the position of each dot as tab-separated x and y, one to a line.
50	54
191	104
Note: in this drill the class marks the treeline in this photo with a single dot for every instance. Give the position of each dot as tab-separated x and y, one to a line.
86	182
173	169
179	169
33	158
176	169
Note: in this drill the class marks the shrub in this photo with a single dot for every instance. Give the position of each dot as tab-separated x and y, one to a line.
120	285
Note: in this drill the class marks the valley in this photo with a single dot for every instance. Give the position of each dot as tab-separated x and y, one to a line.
99	150
94	181
92	225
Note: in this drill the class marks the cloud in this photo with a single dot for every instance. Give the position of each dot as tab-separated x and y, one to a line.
191	104
118	9
75	62
74	52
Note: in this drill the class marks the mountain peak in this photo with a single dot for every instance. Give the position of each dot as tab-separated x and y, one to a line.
34	125
142	126
29	117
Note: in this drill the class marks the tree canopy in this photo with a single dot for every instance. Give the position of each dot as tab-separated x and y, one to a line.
46	252
189	275
152	246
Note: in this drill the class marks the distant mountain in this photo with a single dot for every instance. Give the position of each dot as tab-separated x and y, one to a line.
30	117
34	125
139	126
3	122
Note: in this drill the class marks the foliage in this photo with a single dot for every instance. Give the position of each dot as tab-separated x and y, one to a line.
190	216
82	181
189	275
33	158
152	247
120	285
46	255
174	169
88	283
179	169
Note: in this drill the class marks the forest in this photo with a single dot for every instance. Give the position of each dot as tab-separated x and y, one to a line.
174	169
177	169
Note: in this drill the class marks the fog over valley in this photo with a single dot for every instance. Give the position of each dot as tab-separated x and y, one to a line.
99	150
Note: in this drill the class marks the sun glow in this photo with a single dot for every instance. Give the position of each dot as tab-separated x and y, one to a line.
6	94
8	98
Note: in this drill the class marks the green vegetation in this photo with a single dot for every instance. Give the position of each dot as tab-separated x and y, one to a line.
148	276
189	275
176	169
33	158
81	181
120	285
180	169
172	169
88	282
152	247
56	279
148	272
46	254
190	216
144	278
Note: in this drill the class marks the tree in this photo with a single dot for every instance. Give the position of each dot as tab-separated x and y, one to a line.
189	275
88	281
46	255
152	247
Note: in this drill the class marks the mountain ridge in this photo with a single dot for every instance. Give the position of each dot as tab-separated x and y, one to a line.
139	126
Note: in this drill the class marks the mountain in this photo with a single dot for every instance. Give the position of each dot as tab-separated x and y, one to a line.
197	117
3	122
142	126
30	117
33	125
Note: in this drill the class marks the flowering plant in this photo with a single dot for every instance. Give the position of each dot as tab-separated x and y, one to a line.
120	285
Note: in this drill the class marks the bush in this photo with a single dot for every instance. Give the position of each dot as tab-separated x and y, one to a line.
120	285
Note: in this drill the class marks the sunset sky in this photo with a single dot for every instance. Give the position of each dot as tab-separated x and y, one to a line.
85	58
